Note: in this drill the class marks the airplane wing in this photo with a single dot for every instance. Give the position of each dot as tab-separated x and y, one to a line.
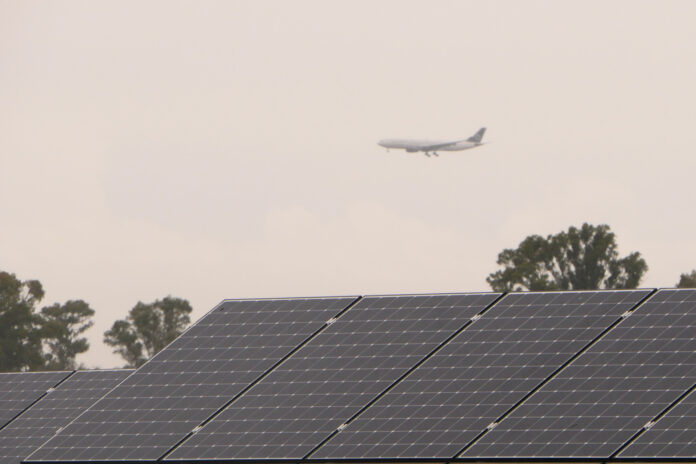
438	146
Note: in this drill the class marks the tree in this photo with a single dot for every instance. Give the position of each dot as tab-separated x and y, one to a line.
61	327
579	259
148	328
31	340
687	280
20	338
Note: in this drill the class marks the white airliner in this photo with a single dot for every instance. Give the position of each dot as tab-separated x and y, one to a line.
432	146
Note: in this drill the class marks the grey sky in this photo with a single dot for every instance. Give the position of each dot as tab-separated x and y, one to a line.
216	150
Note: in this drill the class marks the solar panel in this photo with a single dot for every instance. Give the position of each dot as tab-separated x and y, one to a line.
203	369
38	423
606	395
311	394
18	390
674	434
479	375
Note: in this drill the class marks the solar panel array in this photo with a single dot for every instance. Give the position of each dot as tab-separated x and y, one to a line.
479	375
530	376
18	390
331	378
38	423
599	401
203	369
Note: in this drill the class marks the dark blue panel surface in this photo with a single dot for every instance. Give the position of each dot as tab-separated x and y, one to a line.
674	435
479	375
203	369
605	396
18	390
331	378
38	423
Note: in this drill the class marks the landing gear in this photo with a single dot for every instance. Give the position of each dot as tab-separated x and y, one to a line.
435	153
427	154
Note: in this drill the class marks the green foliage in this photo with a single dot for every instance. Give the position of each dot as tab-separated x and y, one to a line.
20	340
687	280
61	327
579	259
31	340
148	328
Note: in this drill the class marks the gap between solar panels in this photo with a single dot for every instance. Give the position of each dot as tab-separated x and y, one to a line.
541	385
261	377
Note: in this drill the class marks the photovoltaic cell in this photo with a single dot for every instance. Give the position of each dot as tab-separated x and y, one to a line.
179	388
606	395
674	435
38	423
311	394
18	390
480	374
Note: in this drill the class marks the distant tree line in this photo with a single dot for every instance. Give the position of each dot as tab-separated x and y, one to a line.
148	328
39	339
581	258
51	337
687	280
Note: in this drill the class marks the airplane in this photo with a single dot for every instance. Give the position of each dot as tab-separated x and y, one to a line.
428	146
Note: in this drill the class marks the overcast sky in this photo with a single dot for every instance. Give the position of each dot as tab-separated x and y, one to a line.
213	150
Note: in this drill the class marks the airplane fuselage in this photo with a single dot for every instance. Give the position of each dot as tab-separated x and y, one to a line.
433	146
412	146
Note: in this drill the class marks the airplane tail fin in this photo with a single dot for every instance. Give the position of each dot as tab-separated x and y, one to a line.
476	138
